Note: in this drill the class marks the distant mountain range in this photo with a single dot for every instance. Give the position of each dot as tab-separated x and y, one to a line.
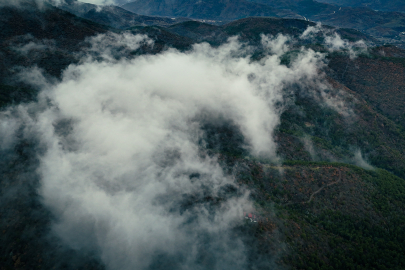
385	5
386	25
206	9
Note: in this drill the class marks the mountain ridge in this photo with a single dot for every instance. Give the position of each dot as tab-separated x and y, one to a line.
385	25
212	10
114	16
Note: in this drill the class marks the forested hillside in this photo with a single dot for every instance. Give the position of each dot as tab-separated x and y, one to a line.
148	147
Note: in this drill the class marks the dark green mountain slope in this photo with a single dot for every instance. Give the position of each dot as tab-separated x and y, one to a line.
250	30
56	24
53	34
331	216
385	90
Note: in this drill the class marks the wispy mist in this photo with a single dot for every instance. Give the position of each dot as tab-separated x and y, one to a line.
334	42
360	161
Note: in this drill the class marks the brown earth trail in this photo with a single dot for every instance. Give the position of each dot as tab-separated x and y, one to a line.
319	190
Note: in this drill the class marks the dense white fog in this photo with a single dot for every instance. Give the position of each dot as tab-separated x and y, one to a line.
122	160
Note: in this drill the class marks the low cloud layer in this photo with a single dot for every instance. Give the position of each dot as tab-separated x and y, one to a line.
27	45
123	164
334	42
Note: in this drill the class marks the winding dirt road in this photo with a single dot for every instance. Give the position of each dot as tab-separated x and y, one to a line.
319	190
